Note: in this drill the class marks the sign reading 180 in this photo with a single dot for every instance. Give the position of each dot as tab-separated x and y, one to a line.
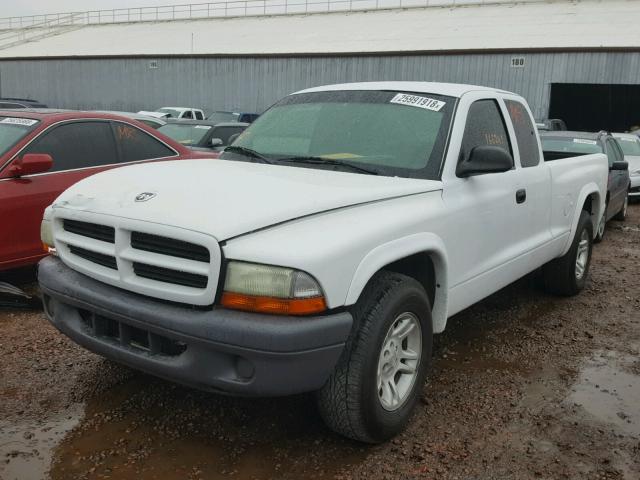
517	62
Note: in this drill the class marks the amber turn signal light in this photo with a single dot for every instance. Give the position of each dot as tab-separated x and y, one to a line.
48	249
282	306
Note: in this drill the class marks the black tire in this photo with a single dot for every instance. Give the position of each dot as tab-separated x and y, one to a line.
349	402
600	232
621	216
560	276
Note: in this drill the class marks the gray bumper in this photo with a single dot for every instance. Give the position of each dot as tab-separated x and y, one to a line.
215	349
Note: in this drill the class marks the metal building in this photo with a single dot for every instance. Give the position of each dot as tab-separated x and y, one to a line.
578	60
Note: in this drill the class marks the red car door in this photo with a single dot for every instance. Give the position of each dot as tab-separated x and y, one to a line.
78	149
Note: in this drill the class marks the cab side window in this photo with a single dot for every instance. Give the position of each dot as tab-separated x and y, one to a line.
525	134
199	116
188	115
77	145
485	126
613	154
224	133
618	149
136	144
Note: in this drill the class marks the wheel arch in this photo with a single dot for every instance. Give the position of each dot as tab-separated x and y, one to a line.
421	256
590	200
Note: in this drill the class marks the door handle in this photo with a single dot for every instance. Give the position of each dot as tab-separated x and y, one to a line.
521	195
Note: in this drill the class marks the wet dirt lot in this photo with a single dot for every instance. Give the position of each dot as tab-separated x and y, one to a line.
524	385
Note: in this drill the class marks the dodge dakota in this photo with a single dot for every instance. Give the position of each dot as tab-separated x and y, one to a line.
324	249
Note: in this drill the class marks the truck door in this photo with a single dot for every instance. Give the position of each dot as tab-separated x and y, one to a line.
534	194
618	182
484	213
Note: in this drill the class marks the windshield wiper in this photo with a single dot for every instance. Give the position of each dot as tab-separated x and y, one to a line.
248	152
326	161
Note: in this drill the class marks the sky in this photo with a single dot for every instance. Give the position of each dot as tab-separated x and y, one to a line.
12	8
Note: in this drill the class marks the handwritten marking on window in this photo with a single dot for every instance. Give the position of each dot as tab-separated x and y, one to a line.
125	133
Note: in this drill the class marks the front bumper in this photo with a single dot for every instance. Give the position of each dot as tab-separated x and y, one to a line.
214	349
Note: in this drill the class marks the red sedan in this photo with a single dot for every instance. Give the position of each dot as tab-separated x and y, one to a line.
43	152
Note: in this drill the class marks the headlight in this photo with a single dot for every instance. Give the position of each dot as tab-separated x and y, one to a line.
46	235
269	289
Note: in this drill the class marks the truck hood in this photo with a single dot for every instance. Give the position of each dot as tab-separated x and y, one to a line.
226	198
634	163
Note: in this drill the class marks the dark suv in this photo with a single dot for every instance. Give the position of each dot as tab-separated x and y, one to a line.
561	144
13	103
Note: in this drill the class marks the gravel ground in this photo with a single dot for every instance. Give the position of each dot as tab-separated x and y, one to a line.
524	385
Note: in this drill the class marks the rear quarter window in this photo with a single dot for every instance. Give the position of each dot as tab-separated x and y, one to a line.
136	144
525	133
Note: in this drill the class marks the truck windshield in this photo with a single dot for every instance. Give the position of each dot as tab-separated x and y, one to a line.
578	146
173	113
186	134
630	146
220	117
12	130
381	132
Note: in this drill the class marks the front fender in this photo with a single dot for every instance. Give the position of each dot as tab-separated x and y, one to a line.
394	250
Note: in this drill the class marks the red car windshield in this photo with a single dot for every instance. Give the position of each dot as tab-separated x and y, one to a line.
12	130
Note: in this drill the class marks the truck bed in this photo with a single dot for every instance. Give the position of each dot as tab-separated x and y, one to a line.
551	155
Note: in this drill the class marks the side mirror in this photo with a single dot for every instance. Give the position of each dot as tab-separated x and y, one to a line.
31	163
485	159
620	166
215	142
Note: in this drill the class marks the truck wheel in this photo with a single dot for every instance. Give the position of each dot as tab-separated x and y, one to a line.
377	382
602	227
567	275
621	216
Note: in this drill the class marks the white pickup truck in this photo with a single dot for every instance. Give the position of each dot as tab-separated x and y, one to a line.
324	249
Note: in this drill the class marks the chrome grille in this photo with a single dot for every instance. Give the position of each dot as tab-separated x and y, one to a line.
170	276
95	257
169	246
157	260
91	230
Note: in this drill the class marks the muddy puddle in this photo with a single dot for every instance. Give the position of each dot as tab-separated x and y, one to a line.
26	448
608	390
150	429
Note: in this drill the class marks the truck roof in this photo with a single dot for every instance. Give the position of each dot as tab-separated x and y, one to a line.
629	136
449	89
573	134
55	115
179	109
177	121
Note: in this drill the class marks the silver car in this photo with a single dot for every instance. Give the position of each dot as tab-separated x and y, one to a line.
630	145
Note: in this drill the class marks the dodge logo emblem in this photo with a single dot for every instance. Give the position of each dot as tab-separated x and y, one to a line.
144	196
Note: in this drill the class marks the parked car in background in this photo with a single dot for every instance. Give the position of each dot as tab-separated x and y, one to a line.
557	145
11	103
375	211
202	133
551	124
221	116
44	152
153	122
630	144
185	113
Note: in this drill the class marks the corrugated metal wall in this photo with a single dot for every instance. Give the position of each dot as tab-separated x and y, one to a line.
252	84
